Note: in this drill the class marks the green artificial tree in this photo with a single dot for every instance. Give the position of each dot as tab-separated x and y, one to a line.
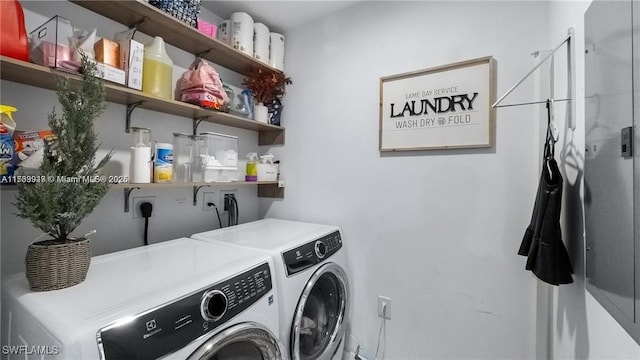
73	182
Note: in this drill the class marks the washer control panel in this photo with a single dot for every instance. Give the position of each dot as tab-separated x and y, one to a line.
170	327
311	253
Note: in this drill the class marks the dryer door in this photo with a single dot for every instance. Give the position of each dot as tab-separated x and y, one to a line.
243	341
318	324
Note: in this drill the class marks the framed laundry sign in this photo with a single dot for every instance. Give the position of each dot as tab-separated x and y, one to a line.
445	107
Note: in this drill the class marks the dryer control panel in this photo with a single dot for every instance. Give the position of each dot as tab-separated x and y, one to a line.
311	253
170	327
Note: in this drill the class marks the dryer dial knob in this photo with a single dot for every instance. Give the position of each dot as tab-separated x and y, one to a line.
213	305
321	249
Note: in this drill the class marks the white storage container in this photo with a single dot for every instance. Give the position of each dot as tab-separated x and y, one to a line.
261	42
276	50
224	32
242	32
223	148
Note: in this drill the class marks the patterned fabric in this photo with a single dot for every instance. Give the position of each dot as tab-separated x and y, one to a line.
184	10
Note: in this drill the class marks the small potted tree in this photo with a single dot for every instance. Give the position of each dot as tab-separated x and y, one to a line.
71	185
267	89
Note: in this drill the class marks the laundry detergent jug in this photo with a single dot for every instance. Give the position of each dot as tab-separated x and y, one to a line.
157	70
7	126
13	35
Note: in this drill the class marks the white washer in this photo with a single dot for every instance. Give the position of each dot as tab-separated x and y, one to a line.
310	271
180	299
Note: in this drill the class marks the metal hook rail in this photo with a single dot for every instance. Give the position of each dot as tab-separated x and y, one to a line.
571	67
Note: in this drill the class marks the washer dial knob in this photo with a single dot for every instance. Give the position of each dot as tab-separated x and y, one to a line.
321	249
214	305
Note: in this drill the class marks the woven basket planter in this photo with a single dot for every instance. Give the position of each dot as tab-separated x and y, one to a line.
52	265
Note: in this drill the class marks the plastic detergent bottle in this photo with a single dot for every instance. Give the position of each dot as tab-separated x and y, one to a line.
157	70
252	167
7	126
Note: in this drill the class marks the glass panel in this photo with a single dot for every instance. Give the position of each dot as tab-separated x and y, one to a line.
320	316
608	175
241	350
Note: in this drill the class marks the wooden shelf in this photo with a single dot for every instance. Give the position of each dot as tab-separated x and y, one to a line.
266	189
153	21
188	184
43	77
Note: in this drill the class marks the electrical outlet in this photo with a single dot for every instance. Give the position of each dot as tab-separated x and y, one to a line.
221	206
142	199
384	307
208	197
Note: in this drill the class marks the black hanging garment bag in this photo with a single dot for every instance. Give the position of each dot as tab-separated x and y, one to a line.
542	243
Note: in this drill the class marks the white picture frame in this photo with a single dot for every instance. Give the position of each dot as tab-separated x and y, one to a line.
445	107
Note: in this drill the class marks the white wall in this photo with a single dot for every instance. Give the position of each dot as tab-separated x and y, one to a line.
175	216
436	231
580	327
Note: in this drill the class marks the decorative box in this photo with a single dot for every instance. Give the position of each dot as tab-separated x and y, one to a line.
131	58
107	52
207	28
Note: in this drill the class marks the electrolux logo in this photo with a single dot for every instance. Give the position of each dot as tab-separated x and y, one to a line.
30	350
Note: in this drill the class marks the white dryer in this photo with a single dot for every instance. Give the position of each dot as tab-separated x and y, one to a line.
310	264
180	299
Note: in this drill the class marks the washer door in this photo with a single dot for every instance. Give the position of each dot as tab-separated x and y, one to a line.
318	322
243	341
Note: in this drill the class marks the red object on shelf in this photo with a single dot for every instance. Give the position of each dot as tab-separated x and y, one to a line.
13	35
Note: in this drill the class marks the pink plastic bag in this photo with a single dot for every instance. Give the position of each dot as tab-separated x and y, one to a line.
201	85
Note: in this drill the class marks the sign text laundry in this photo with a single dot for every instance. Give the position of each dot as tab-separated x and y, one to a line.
436	105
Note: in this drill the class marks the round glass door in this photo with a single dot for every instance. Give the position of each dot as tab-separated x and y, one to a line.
318	325
247	341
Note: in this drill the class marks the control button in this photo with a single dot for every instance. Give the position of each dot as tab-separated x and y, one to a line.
321	249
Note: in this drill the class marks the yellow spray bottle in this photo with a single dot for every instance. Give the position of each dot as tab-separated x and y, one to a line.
252	167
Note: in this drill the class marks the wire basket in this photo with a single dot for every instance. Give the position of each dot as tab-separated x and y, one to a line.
183	10
52	265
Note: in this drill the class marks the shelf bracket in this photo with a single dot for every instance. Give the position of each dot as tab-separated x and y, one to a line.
195	193
203	53
130	109
138	23
127	193
196	123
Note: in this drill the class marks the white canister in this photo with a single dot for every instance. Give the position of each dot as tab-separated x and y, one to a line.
261	42
276	50
224	32
261	113
242	32
140	166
